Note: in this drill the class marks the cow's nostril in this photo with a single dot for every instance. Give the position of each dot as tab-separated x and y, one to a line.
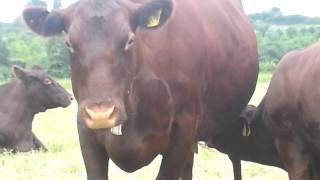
100	112
101	116
70	97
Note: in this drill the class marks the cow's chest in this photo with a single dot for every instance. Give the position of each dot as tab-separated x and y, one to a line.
134	149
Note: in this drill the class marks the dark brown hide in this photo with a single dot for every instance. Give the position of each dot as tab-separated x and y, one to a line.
291	112
34	91
183	78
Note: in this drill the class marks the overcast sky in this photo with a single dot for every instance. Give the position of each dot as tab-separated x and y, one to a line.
10	9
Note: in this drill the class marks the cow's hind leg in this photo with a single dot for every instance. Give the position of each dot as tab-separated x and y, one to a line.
94	156
37	143
294	157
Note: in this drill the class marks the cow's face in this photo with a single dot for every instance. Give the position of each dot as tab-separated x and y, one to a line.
248	113
100	36
43	91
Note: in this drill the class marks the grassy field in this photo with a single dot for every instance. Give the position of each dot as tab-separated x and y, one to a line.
57	130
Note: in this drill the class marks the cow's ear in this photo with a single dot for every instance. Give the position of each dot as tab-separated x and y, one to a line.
153	14
20	73
36	67
43	22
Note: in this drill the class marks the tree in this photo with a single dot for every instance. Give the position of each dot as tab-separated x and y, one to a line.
57	53
4	54
37	3
262	28
58	58
291	32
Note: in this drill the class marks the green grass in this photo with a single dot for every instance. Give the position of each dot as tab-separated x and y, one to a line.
66	83
264	77
57	130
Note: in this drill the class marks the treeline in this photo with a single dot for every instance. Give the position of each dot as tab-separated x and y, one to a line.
275	16
276	35
19	46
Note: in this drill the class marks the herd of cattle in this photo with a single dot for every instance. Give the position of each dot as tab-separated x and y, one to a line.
156	76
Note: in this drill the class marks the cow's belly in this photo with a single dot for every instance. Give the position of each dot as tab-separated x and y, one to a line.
132	150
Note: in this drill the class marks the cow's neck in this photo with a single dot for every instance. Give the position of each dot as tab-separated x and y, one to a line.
17	102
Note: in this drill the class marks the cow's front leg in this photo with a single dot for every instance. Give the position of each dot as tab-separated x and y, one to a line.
236	165
187	171
3	143
174	163
37	143
177	162
94	155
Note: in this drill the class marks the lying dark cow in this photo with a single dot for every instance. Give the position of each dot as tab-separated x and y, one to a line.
34	91
153	77
291	112
247	139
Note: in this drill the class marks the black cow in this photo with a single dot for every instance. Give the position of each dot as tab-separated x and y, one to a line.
32	92
247	139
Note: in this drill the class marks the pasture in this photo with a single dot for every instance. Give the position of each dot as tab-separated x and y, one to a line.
57	130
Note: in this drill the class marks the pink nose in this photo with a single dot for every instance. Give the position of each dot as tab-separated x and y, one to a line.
100	116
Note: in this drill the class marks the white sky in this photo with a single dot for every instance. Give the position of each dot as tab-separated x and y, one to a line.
10	9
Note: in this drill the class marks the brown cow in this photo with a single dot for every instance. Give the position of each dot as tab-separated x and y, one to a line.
32	92
153	77
247	139
290	111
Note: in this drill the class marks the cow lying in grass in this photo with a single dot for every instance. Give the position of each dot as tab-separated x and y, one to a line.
247	139
32	92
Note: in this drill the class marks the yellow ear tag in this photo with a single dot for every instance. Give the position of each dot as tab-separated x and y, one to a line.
246	131
154	20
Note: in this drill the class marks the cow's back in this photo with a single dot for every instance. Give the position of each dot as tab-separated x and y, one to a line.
294	93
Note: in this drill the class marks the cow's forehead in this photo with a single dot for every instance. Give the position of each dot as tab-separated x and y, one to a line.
92	17
87	9
40	74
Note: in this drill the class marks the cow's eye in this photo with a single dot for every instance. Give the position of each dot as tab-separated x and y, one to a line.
129	42
47	81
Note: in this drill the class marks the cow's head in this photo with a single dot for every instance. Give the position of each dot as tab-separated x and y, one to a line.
100	35
43	92
246	118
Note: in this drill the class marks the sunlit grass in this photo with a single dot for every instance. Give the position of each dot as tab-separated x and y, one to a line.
57	130
264	77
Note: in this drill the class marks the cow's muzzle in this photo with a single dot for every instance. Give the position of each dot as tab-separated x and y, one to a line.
103	116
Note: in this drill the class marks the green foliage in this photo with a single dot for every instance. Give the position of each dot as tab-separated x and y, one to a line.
267	67
275	16
276	39
37	3
264	77
5	73
19	46
4	53
58	64
56	4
